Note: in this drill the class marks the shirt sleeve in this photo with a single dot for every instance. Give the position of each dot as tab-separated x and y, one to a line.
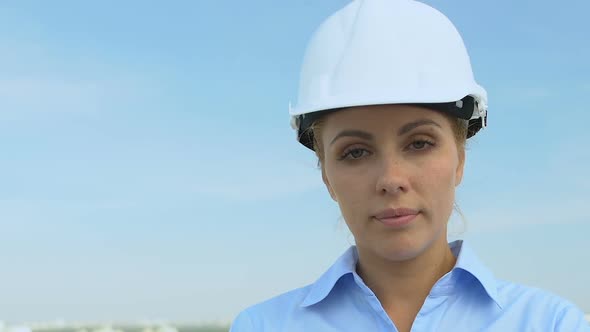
572	319
243	323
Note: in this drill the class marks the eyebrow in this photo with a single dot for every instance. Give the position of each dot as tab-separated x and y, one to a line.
369	137
413	125
353	133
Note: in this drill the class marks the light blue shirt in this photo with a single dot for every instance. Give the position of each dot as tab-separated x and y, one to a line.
468	298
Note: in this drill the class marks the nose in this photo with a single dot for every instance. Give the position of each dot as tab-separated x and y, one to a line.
392	177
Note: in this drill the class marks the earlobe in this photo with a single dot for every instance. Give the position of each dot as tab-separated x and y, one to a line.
328	186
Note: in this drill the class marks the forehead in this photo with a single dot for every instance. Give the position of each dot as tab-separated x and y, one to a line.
382	117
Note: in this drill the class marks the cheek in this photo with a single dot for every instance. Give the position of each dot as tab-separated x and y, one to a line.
438	185
351	188
440	174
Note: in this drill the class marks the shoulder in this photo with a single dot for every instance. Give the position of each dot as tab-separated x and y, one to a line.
270	314
513	293
292	310
538	304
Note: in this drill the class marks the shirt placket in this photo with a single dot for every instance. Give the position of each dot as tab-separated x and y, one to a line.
384	321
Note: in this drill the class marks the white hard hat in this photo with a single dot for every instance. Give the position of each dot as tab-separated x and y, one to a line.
387	52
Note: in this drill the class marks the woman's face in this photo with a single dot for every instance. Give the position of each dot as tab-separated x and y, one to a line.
393	170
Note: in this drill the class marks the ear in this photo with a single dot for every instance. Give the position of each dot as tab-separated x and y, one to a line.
328	186
460	167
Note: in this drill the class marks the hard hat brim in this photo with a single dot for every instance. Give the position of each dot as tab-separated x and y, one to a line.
463	110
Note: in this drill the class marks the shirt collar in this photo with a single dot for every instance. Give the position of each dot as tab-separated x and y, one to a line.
468	261
346	264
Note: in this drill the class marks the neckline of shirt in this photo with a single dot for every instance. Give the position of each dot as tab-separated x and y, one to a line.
467	266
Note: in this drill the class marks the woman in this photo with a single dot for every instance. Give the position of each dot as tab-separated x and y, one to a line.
387	100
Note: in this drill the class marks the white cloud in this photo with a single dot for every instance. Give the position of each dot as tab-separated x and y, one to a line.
52	94
35	80
48	95
259	182
565	210
551	190
523	93
40	77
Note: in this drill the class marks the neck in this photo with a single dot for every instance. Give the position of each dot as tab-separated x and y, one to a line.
398	283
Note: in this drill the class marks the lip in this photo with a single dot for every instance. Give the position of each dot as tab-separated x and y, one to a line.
396	217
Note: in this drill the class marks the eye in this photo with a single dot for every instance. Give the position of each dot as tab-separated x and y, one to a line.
354	154
421	144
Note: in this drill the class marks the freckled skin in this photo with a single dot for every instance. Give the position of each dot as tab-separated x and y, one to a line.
390	171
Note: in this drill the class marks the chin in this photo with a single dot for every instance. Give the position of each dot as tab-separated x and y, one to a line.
399	254
403	248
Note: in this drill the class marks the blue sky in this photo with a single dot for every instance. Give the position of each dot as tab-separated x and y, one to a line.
148	169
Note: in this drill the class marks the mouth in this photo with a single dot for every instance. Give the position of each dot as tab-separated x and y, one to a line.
396	218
